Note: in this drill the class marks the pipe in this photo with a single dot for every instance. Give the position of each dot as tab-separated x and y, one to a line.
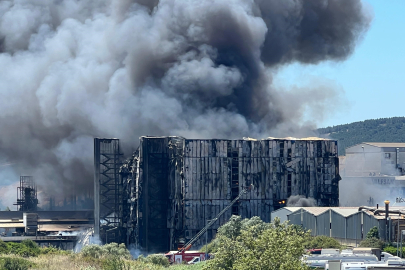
372	209
379	211
387	203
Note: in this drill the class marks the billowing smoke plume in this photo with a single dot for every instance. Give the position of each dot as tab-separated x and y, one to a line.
71	70
300	201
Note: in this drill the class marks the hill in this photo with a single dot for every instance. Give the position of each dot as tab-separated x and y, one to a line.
374	130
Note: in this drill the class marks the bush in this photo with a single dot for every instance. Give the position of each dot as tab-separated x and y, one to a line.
111	250
115	263
54	250
158	260
373	233
23	249
115	250
16	264
93	251
393	251
322	241
372	243
30	244
4	247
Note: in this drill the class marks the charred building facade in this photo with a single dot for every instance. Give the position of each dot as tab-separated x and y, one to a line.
172	186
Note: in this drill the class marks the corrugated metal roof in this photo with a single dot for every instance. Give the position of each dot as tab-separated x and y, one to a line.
316	211
343	211
291	209
385	144
299	139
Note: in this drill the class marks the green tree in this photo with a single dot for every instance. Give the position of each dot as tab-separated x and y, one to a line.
233	228
321	241
374	130
373	233
258	245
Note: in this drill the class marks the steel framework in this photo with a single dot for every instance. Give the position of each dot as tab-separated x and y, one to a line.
108	190
27	194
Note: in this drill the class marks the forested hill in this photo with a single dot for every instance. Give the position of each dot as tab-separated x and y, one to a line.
374	130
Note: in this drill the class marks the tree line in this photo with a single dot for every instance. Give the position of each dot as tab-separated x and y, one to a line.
373	130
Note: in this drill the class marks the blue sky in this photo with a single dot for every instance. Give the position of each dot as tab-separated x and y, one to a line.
373	78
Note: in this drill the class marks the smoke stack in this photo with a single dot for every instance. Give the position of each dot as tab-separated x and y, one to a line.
377	205
387	203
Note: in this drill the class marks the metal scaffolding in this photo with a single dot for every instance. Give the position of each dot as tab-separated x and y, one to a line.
27	194
108	190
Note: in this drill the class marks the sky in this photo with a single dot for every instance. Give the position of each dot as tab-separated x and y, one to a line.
371	82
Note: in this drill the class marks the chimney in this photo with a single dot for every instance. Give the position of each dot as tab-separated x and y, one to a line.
387	203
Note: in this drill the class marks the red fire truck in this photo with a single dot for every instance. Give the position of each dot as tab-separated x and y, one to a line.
187	256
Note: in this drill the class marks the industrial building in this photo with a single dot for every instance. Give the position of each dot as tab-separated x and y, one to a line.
61	229
348	225
171	186
374	160
375	170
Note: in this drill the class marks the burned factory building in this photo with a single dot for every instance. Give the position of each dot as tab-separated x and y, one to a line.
171	186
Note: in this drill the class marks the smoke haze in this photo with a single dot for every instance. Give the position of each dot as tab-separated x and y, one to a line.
72	70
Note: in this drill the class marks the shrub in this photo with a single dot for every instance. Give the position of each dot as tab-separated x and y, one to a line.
54	250
372	243
4	247
158	260
109	251
113	249
322	241
93	251
30	244
16	264
23	249
373	233
115	263
393	251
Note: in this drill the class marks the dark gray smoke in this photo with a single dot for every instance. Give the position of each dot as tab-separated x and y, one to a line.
300	201
71	70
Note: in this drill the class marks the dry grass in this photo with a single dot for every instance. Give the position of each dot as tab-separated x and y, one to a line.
64	262
78	262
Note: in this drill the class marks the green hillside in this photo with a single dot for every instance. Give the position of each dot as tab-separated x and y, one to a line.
374	130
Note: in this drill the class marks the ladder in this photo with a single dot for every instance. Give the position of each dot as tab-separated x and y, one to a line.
188	245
